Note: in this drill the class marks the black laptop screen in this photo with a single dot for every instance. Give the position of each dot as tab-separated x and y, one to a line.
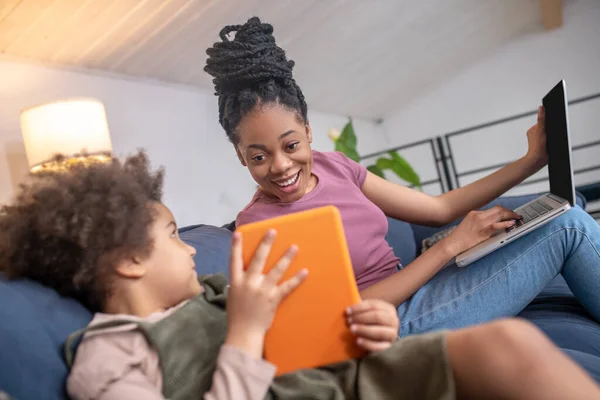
558	144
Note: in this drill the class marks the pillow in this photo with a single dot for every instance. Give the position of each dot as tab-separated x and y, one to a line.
35	323
429	242
400	237
212	244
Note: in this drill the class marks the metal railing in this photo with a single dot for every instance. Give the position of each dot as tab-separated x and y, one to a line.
448	176
437	158
456	175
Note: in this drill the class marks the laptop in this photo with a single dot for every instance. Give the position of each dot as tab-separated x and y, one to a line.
560	173
309	329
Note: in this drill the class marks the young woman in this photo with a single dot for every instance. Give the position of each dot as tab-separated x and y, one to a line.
264	114
100	234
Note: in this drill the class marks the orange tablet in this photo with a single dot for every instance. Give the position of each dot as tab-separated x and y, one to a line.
309	329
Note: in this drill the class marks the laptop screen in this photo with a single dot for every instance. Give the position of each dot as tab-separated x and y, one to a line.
560	170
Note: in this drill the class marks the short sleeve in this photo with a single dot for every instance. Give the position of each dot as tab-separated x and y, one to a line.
356	171
246	216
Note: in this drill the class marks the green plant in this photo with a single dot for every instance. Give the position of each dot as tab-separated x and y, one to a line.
346	143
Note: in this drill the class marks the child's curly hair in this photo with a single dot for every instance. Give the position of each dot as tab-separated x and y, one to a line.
67	229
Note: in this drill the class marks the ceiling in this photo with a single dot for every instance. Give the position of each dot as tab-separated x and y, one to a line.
363	58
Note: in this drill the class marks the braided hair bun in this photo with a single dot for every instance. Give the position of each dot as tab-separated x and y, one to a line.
251	70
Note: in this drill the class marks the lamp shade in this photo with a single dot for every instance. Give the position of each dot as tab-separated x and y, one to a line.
67	127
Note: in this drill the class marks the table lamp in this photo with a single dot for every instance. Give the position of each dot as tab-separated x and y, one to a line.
74	128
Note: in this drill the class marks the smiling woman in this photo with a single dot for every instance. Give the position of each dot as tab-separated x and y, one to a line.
264	114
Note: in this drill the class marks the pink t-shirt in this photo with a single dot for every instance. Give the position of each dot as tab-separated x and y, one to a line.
339	183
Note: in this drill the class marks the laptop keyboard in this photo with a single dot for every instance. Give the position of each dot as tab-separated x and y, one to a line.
531	212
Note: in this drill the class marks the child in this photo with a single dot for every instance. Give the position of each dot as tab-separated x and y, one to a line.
100	234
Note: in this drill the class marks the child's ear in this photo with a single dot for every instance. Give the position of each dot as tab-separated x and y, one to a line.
237	151
131	268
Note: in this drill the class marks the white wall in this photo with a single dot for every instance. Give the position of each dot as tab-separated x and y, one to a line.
176	125
508	82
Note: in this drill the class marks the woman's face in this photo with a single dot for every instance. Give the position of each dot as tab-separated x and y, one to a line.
275	146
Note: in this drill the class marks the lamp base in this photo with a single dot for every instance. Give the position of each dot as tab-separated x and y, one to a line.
62	164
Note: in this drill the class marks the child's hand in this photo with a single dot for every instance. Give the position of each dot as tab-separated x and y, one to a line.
254	296
375	324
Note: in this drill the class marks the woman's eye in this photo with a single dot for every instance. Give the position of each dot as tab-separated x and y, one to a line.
293	146
258	158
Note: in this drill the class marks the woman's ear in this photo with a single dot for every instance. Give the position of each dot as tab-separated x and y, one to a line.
131	268
308	132
239	154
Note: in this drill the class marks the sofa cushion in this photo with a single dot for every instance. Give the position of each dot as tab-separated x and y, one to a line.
212	246
556	311
400	237
35	323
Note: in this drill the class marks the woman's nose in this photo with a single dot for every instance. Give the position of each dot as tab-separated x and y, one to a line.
281	163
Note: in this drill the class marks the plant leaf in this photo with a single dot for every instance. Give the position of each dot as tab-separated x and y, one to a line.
348	137
402	168
383	163
376	170
351	153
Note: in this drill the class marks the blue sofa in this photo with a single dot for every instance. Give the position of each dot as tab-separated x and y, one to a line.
35	321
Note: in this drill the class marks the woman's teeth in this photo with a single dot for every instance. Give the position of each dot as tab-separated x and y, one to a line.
290	181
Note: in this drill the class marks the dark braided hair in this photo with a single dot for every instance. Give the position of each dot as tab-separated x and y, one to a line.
249	71
68	229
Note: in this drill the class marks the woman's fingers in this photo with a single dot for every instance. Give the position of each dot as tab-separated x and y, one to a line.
503	225
499	213
541	117
511	215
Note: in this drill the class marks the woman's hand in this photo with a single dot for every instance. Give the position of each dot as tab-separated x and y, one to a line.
254	296
375	324
536	138
477	227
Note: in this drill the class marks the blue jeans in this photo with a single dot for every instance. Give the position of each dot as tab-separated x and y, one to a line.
502	283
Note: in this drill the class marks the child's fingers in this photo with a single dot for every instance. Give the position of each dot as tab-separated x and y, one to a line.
262	252
371	345
363	306
275	274
377	333
373	317
291	284
373	312
367	305
236	262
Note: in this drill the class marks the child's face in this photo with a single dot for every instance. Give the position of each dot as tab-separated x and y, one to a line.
170	272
